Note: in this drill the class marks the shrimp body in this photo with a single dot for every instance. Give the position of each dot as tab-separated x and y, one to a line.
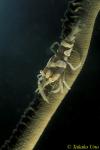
53	75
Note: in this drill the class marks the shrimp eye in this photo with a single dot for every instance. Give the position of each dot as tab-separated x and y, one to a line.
48	74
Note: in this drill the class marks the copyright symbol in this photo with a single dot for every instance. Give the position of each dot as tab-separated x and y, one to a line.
69	146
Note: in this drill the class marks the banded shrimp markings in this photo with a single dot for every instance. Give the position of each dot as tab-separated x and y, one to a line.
54	72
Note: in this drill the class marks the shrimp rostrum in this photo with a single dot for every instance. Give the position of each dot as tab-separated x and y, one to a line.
52	79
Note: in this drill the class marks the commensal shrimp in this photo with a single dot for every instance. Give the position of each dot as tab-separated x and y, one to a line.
54	73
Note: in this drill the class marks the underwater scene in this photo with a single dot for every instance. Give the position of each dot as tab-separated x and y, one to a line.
27	31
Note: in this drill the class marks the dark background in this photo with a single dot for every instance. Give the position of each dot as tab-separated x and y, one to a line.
27	29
